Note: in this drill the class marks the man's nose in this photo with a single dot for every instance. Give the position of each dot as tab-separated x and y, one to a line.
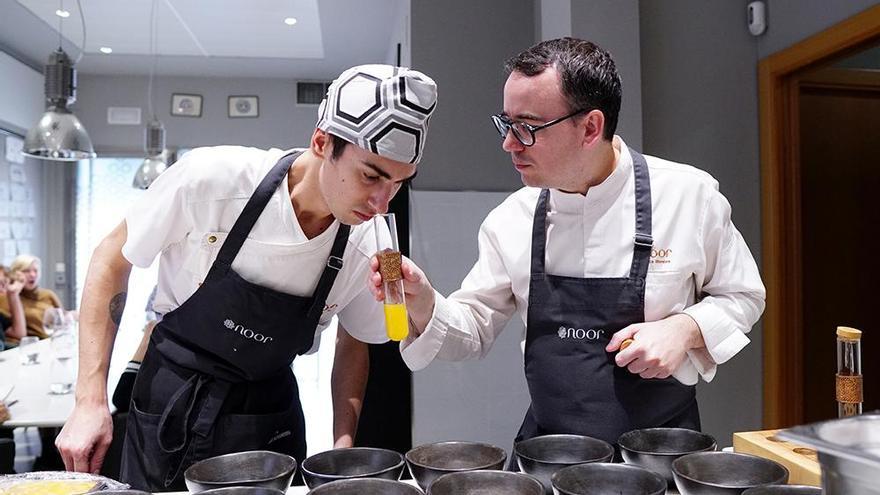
511	143
381	199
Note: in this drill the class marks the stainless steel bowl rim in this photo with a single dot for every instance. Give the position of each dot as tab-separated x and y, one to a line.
648	452
564	435
239	482
481	472
599	466
399	464
675	471
456	442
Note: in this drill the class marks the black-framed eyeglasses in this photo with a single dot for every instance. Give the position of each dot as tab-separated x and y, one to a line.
523	132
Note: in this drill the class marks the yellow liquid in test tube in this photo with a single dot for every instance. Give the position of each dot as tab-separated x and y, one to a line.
396	321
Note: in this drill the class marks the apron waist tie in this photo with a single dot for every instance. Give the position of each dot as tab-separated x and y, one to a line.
175	419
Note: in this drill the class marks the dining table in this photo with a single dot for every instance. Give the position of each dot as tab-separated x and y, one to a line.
25	387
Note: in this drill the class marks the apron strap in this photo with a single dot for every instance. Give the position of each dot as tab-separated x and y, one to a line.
328	276
539	235
174	424
643	241
252	211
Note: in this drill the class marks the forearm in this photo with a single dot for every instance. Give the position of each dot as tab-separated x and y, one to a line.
351	366
102	305
18	329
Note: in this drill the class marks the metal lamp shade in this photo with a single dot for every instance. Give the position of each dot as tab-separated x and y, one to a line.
58	136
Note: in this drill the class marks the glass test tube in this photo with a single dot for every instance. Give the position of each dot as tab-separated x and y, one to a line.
849	372
388	252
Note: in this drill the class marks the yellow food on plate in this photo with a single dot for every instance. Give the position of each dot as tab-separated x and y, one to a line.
49	487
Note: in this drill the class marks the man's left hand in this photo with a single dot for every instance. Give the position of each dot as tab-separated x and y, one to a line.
658	347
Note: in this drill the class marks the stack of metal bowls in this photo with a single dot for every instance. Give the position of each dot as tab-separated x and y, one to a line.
544	455
241	490
784	490
430	461
365	486
257	468
849	452
486	482
356	462
607	479
655	449
725	473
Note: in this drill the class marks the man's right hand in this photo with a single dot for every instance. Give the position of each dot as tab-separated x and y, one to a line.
416	287
85	438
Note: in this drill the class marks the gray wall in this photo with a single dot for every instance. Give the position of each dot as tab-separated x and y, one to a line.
700	107
614	25
790	21
462	45
282	123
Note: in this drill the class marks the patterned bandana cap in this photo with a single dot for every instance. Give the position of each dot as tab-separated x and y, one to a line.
381	108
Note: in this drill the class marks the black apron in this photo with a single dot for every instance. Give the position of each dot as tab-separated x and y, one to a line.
575	386
216	378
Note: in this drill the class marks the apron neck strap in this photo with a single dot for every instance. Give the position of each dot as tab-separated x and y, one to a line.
253	209
328	276
539	234
642	242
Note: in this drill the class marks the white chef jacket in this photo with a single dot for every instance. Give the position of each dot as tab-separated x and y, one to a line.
187	212
700	264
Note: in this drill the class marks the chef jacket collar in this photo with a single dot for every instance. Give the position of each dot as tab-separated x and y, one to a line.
600	195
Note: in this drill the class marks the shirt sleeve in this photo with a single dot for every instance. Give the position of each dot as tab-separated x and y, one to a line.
364	318
466	324
159	218
730	296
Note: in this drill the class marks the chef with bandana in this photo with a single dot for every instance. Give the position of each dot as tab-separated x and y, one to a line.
258	251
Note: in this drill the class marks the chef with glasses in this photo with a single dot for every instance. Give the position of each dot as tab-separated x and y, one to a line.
626	269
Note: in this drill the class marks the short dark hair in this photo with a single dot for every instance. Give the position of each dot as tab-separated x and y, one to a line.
339	145
589	76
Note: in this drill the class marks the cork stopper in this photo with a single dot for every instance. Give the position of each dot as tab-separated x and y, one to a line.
847	333
389	266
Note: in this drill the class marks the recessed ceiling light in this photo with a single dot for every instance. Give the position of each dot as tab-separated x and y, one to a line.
106	50
290	21
62	13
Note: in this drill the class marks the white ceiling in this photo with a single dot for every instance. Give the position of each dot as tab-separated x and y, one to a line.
223	38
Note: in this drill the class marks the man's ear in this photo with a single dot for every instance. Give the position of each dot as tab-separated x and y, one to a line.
321	145
594	127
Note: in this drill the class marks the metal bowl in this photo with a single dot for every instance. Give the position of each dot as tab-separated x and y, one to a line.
124	492
656	448
544	455
356	462
784	490
723	473
607	479
486	483
427	462
242	490
366	486
260	468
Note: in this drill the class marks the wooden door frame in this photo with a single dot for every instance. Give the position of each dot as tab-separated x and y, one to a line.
780	206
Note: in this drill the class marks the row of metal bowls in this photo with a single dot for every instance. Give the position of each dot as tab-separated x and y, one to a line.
560	464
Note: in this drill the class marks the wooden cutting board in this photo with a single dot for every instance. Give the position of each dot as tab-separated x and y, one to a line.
802	462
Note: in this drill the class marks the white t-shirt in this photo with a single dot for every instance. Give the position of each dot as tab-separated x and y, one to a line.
186	214
700	264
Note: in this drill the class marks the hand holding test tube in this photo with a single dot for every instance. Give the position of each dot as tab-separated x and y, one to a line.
388	253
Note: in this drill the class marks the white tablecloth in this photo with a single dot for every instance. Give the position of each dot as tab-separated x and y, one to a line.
35	406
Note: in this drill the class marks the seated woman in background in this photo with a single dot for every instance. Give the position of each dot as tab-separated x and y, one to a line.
34	299
12	327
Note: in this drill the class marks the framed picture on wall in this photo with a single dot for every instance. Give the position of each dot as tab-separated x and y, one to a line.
244	106
186	105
